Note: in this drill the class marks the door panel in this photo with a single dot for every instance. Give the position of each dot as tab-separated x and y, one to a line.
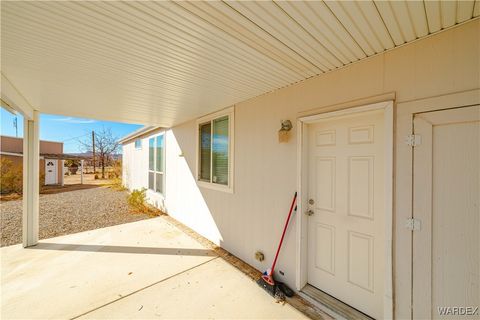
325	195
360	186
346	236
446	269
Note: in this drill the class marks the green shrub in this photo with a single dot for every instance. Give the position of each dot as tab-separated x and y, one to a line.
116	171
137	199
11	177
117	184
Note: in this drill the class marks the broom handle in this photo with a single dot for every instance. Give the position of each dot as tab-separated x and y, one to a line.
284	230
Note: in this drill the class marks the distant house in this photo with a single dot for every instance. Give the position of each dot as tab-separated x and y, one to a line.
50	151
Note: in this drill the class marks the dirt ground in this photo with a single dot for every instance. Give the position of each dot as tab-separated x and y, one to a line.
64	213
71	183
88	178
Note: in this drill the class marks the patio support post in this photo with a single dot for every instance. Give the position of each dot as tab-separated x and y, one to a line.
31	179
81	171
62	180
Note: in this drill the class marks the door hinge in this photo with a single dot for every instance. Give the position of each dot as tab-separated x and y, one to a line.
413	140
413	224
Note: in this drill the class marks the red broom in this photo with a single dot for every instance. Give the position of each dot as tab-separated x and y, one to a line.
267	277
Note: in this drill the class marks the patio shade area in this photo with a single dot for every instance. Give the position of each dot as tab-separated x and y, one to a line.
364	85
145	269
164	63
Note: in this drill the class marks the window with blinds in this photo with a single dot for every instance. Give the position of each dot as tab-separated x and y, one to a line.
214	141
220	151
156	163
205	151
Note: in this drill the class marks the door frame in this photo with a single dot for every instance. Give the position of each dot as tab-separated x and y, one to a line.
56	171
302	187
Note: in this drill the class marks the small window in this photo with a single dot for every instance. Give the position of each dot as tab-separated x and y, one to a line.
138	144
156	163
215	151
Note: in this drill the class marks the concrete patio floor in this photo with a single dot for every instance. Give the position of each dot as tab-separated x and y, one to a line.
144	269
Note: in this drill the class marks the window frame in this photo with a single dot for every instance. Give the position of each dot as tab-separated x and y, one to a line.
154	171
231	147
135	144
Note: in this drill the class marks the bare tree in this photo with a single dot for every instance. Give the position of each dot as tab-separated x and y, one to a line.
106	145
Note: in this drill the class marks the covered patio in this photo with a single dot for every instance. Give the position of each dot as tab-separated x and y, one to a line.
145	269
344	74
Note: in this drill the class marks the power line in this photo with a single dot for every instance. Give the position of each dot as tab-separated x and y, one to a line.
83	135
15	125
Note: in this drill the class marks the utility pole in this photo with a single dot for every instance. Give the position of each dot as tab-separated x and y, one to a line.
15	124
93	147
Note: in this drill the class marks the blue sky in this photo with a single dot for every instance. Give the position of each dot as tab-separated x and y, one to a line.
65	129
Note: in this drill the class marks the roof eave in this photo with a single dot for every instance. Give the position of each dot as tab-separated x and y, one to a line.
137	133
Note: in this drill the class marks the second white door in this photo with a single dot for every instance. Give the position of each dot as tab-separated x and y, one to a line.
51	172
446	249
346	235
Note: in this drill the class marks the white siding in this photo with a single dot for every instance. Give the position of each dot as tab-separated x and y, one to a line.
265	171
135	170
135	167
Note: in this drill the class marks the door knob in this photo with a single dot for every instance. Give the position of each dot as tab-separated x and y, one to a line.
311	201
309	212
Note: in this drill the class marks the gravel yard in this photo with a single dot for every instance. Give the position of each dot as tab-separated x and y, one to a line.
69	212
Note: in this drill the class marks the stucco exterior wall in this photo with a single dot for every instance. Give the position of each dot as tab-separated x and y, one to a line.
252	217
15	145
18	161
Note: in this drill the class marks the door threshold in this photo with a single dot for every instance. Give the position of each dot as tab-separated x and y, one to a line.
336	308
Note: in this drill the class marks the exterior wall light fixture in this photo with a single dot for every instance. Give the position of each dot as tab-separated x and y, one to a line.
286	126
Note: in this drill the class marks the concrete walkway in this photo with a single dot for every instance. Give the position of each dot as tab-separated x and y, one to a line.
145	269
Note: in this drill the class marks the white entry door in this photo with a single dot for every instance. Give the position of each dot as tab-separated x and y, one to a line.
51	172
446	249
346	232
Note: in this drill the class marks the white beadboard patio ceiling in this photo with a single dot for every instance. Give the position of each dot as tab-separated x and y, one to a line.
167	62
